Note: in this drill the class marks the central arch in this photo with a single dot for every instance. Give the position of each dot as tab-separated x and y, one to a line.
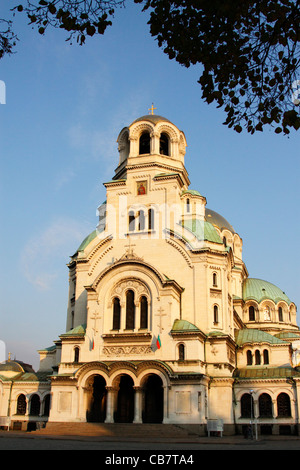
153	399
125	399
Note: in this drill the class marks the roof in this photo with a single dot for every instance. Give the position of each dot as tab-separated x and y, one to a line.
184	325
266	373
77	331
192	192
15	366
202	230
216	219
154	118
250	335
259	290
87	240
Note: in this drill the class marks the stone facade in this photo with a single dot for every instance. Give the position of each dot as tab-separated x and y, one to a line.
163	322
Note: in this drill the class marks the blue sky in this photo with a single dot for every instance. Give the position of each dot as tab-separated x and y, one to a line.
65	106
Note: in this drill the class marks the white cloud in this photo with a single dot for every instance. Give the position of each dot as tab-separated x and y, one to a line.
46	253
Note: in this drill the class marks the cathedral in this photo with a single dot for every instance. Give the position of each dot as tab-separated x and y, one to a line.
164	324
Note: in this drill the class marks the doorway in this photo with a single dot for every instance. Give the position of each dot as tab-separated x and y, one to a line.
125	400
97	404
153	406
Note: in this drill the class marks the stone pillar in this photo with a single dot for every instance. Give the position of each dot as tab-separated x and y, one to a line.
137	405
110	405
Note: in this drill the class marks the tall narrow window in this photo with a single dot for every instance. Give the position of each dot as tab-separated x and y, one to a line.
280	314
116	314
141	220
131	221
249	358
188	206
76	355
144	312
251	313
144	143
151	219
266	356
164	144
181	352
130	310
215	280
216	314
257	357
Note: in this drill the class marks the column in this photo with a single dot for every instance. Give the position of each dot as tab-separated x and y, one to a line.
137	405
110	405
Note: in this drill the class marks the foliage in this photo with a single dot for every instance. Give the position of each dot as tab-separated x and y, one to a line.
7	37
248	51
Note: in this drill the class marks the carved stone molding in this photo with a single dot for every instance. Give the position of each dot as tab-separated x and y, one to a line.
126	350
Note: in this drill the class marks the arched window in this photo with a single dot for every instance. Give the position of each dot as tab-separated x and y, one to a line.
283	405
76	355
21	405
257	357
151	219
164	144
249	358
265	406
215	279
141	220
131	221
144	312
280	314
266	356
35	405
247	406
216	314
116	314
47	405
188	206
181	352
251	313
144	143
130	310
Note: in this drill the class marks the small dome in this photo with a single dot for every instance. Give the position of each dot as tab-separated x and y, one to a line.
15	366
259	290
154	118
216	219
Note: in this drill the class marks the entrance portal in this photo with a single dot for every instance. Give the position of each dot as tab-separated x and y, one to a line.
97	408
153	409
125	400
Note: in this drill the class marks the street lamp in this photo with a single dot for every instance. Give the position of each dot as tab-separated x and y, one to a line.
251	413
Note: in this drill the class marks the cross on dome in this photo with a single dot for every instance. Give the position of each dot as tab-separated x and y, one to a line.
151	109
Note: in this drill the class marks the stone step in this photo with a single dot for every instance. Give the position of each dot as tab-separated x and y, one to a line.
117	430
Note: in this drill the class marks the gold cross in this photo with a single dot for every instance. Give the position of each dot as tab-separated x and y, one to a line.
151	109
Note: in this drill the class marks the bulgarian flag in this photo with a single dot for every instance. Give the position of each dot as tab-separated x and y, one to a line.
158	342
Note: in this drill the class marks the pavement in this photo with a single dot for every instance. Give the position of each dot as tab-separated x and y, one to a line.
114	447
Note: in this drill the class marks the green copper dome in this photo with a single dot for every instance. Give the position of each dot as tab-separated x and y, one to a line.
259	290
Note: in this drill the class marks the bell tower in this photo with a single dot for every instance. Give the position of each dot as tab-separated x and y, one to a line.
151	142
